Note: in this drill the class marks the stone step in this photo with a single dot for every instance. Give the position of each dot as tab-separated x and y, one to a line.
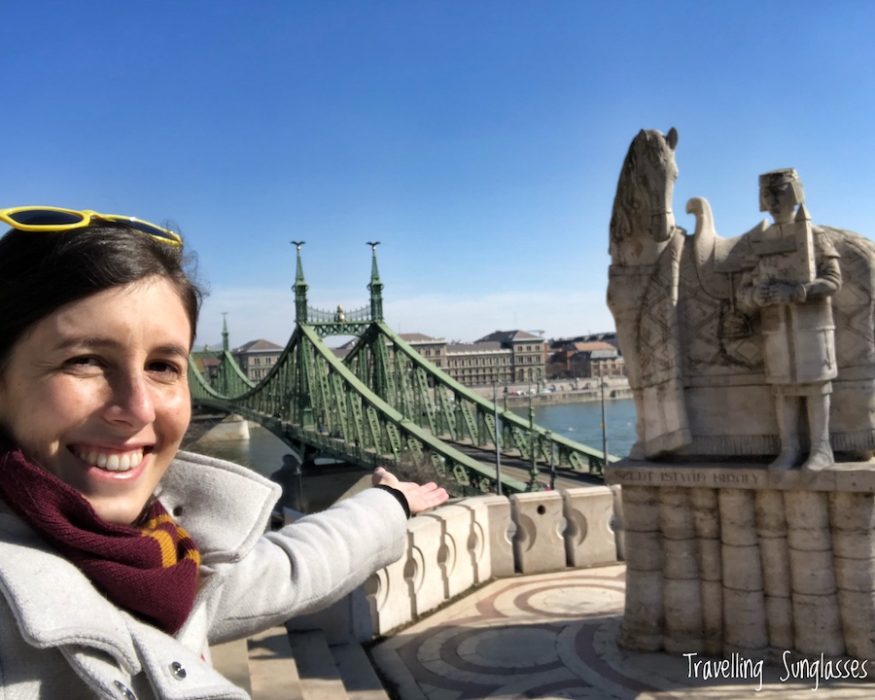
278	665
273	670
359	678
231	659
320	677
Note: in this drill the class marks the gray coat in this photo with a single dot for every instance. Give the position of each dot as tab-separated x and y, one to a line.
60	638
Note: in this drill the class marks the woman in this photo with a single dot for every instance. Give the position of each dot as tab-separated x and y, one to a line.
120	557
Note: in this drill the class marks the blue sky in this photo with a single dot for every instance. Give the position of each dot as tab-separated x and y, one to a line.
479	141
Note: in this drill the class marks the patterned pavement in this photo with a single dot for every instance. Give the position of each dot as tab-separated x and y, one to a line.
554	636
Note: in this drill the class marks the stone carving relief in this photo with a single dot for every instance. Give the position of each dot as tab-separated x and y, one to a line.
758	345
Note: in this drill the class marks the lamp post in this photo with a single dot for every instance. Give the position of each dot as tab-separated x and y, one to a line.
497	436
604	420
552	447
533	472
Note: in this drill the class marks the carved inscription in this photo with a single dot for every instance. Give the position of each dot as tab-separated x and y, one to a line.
710	478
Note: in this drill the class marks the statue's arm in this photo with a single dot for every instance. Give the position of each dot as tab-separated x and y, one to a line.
829	273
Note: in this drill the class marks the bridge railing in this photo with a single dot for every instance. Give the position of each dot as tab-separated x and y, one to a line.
464	544
360	315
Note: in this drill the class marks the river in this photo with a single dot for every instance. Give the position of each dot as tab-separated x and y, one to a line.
582	422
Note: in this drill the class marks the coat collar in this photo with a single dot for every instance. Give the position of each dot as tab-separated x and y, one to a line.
225	508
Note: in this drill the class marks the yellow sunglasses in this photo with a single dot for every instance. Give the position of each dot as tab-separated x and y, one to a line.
58	219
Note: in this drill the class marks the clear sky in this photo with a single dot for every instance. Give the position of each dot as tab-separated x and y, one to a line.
479	141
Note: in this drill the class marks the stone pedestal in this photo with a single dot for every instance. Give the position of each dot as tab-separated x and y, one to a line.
730	558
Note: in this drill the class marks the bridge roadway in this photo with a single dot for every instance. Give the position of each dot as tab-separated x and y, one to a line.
520	469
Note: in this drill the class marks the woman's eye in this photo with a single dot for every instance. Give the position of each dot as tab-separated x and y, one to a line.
164	369
83	362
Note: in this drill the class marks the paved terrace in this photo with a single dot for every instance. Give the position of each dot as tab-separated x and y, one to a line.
495	598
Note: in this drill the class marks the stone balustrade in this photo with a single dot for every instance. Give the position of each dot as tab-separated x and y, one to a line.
466	543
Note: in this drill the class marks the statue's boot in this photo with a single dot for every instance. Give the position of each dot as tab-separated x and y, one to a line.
787	458
788	429
821	455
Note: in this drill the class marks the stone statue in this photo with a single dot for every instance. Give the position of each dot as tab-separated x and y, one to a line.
340	314
793	275
725	339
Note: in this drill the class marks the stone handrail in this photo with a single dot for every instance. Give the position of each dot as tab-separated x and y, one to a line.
464	544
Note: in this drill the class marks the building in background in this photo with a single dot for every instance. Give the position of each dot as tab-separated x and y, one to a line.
480	363
257	357
432	349
528	354
206	361
502	357
593	355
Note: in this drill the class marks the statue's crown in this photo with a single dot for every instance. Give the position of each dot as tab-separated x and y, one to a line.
774	179
779	177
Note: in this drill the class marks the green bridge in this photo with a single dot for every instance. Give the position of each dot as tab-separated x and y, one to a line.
383	403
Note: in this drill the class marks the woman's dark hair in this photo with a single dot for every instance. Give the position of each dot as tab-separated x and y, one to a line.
42	271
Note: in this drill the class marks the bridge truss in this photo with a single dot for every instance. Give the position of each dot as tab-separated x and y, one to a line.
382	404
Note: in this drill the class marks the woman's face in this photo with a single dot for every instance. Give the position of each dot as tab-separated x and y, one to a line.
97	393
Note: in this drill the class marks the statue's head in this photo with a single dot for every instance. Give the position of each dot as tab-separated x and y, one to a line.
780	193
642	207
642	221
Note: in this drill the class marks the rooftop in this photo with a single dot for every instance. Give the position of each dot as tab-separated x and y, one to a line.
513	336
414	338
260	345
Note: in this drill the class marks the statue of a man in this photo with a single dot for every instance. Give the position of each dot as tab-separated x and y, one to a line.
793	273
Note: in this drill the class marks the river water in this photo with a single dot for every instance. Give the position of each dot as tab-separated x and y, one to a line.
578	421
582	422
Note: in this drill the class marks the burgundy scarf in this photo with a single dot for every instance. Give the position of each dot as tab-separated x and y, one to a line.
149	569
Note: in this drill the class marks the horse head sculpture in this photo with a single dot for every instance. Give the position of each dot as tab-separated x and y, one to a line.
642	221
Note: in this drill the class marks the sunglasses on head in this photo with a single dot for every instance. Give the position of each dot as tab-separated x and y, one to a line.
58	219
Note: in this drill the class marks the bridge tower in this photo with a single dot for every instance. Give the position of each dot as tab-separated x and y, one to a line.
375	286
300	285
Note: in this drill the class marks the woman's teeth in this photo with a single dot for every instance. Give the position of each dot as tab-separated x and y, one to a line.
111	462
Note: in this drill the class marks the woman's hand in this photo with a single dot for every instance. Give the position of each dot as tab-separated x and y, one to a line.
419	497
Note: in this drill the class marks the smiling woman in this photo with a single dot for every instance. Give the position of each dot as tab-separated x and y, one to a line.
96	393
120	556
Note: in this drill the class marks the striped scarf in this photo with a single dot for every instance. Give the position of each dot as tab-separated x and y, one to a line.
149	569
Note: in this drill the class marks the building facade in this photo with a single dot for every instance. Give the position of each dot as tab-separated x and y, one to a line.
575	358
432	349
528	354
503	357
479	364
257	357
